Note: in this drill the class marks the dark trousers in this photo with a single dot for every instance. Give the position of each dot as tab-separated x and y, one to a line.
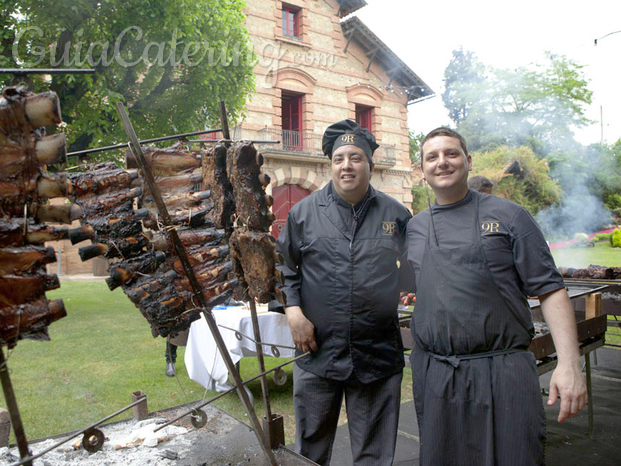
171	353
372	414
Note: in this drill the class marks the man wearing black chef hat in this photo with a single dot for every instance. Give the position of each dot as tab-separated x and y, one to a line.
341	247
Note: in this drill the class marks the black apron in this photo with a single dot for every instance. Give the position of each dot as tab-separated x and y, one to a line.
476	388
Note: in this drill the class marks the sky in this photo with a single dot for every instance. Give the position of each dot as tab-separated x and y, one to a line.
506	35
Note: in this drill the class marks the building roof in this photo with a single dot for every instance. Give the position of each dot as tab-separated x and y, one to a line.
347	7
398	71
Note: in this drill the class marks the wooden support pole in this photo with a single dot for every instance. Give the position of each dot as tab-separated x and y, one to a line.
593	305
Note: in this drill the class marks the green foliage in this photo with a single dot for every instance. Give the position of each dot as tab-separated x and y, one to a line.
423	196
519	175
464	82
605	177
415	140
615	238
581	237
170	63
533	106
602	237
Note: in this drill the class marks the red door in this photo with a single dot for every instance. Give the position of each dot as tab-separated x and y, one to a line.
292	122
285	197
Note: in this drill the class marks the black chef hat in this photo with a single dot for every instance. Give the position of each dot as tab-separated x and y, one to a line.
348	132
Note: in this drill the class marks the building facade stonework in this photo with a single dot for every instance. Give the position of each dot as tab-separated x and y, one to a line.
318	64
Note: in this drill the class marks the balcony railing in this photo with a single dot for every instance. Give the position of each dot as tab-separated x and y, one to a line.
309	144
293	141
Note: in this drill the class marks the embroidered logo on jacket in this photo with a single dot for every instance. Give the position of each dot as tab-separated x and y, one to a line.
389	228
490	228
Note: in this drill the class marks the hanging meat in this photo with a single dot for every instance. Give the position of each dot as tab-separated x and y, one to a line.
252	247
25	186
217	181
216	202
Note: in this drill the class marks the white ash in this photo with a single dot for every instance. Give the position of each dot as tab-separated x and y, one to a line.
223	441
125	445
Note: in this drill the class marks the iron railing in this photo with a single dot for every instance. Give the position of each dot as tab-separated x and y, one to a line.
299	142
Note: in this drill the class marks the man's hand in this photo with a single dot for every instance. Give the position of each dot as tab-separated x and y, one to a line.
302	329
568	382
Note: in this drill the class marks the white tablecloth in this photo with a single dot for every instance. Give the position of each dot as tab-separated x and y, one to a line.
202	358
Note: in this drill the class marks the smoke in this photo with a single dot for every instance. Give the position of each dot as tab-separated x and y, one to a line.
537	106
579	212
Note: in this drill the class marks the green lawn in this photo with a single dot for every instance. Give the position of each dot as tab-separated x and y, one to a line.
601	254
102	352
98	355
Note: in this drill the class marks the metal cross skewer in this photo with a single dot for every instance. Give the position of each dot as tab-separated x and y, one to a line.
233	388
274	347
272	437
181	253
145	141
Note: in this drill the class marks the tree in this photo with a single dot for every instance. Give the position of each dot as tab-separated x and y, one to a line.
415	140
535	106
169	62
605	175
463	82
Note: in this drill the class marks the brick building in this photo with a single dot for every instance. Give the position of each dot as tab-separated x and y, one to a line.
315	68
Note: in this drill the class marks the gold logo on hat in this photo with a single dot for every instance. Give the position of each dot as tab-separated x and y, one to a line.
347	138
389	228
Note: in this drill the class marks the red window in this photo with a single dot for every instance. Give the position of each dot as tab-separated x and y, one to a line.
292	122
290	22
363	117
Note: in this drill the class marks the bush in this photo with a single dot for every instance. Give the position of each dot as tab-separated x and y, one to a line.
602	237
613	201
615	238
581	237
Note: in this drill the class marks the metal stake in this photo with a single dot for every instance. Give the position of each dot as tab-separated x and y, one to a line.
80	432
16	420
233	388
261	360
146	141
181	253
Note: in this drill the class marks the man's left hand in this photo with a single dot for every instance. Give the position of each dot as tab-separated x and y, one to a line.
569	383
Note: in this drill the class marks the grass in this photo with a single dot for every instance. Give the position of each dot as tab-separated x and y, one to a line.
101	353
601	254
98	356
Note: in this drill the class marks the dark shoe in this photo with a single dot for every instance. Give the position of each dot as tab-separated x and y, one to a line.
170	369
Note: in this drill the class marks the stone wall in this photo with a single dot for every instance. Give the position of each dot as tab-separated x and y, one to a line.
332	81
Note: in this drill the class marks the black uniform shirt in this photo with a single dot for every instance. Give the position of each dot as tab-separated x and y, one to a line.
515	250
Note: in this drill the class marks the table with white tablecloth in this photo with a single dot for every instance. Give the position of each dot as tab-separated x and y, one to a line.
202	357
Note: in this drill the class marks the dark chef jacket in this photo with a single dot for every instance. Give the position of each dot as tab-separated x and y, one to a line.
346	282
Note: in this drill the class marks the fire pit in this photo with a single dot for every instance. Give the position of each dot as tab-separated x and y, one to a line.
223	440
